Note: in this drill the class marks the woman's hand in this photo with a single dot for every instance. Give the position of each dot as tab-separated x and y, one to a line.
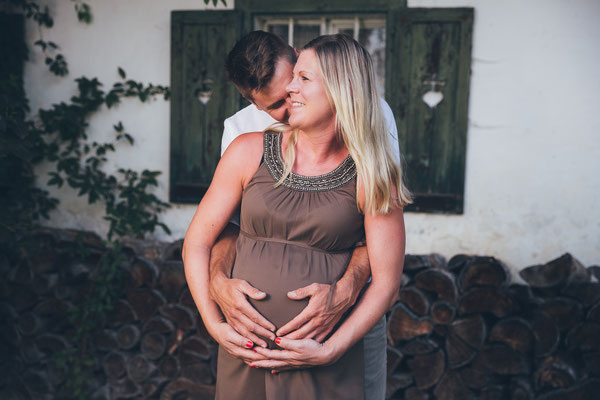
296	354
235	344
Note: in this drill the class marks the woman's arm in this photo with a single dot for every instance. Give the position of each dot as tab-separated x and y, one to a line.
386	271
214	211
387	262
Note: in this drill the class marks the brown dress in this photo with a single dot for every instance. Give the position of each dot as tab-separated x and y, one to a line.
300	232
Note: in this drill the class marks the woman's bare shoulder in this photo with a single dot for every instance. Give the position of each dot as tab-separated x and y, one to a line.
243	155
246	145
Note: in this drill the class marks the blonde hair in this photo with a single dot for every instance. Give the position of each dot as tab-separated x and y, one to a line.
349	81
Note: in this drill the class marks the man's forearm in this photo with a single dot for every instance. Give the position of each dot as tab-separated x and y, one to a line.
194	257
355	278
222	255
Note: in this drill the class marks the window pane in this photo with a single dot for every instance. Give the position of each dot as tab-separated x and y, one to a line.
374	41
304	34
281	30
371	33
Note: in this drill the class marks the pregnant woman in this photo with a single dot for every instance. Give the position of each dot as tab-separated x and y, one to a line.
308	192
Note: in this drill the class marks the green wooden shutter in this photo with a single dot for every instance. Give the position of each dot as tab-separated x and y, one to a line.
200	41
426	44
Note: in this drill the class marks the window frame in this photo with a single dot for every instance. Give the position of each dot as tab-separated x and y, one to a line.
330	24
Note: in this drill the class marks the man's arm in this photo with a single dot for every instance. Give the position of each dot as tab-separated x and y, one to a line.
230	294
318	318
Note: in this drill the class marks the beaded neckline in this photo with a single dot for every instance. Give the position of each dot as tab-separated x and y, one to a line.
340	176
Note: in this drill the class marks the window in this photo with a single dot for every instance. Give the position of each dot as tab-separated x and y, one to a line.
367	29
422	58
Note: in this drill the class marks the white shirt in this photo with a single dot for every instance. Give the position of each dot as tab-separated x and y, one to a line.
251	119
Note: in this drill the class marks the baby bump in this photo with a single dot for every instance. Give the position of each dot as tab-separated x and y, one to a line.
277	268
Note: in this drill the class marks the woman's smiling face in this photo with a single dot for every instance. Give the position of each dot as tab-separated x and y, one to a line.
310	107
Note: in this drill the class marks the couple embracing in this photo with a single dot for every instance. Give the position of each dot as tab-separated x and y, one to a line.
296	296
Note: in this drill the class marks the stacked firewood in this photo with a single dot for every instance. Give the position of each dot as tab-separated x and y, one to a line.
153	344
462	330
459	330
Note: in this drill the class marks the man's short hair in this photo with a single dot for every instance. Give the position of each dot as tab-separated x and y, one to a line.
251	63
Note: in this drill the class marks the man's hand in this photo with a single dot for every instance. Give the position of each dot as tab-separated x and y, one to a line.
230	294
317	320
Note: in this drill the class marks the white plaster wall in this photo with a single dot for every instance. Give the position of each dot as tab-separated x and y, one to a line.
132	34
533	152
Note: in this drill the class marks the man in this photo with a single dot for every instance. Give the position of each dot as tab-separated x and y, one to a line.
260	65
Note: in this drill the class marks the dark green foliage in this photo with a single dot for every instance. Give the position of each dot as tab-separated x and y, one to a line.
84	13
32	10
128	214
21	203
57	64
131	88
129	208
57	137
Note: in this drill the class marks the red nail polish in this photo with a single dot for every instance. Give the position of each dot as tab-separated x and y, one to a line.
249	344
252	366
278	340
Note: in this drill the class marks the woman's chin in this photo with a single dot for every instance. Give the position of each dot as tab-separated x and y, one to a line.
294	122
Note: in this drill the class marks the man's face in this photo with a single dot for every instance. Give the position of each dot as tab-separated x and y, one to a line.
274	98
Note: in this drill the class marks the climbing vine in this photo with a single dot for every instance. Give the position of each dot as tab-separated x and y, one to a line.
57	136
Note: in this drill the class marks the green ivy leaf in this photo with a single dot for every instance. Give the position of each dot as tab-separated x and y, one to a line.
56	180
121	72
83	13
40	43
111	99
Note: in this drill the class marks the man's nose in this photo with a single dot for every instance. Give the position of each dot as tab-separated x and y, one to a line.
292	87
